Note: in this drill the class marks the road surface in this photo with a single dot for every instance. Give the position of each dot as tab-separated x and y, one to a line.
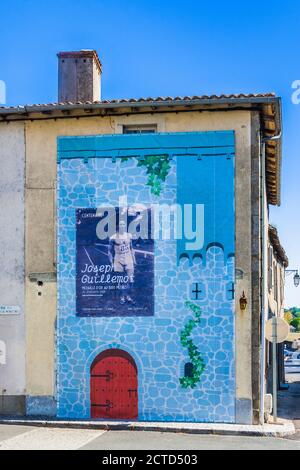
31	438
34	438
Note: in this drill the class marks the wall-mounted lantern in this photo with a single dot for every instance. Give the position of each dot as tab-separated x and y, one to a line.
296	276
243	302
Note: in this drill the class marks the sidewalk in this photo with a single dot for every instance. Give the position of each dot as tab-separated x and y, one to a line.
283	429
289	406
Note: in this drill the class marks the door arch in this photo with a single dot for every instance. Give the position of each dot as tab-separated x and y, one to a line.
114	386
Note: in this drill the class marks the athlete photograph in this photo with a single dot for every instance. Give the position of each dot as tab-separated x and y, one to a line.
122	257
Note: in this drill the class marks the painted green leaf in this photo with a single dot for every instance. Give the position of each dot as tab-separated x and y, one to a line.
157	169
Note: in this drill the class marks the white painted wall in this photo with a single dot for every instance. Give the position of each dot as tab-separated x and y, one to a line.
12	327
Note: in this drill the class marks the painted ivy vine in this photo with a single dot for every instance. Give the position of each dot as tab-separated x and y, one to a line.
157	168
194	354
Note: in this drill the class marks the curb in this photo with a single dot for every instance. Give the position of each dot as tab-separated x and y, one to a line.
282	429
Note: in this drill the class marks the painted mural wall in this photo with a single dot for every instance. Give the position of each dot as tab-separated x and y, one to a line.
166	342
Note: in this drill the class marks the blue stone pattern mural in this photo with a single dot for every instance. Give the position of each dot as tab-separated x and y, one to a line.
193	295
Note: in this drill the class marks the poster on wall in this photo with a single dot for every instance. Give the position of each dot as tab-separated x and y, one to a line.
114	262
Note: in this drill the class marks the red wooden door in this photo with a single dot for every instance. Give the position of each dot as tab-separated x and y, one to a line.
114	386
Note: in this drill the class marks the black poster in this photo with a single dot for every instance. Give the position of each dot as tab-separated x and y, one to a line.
114	262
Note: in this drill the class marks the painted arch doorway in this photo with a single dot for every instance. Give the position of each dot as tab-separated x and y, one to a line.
114	386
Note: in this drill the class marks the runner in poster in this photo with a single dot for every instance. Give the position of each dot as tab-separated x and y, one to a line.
122	258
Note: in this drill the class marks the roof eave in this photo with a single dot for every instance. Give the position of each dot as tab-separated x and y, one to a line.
262	103
138	104
275	242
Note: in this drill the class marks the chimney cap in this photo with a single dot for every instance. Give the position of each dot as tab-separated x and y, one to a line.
84	53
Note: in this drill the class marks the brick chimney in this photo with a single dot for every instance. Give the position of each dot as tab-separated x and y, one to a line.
79	76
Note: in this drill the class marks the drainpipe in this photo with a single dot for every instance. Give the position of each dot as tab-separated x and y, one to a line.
264	286
271	139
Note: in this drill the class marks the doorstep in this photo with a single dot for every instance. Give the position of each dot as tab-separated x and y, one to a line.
283	428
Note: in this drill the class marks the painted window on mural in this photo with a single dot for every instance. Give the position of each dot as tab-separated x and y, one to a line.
188	370
115	262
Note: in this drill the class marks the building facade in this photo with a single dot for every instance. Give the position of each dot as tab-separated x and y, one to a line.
278	263
184	338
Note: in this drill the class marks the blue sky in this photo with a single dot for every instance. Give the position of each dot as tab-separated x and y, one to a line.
155	48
